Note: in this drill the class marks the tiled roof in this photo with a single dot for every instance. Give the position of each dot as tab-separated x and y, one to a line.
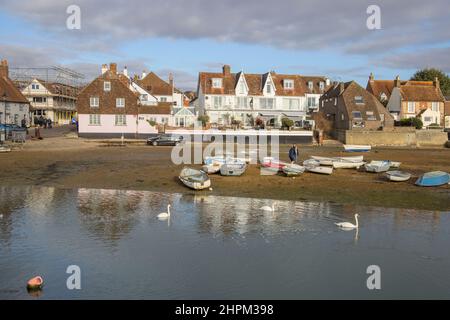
447	108
155	85
161	108
378	87
9	92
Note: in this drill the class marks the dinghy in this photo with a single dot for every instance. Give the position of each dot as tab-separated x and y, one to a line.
378	166
328	161
273	164
293	170
346	164
311	163
356	148
433	179
212	168
5	149
319	169
233	167
194	179
398	176
215	159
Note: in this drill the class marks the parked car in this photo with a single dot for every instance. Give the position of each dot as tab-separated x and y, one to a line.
9	128
165	140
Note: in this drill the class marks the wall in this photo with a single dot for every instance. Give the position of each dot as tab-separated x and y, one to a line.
107	125
395	137
16	111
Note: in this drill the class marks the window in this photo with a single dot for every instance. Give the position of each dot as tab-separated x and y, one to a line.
39	99
335	101
266	103
35	86
291	104
217	83
310	85
322	85
342	117
107	86
356	115
94	102
269	87
241	88
359	100
428	119
120	102
370	116
312	102
217	101
411	107
242	102
435	106
121	120
94	119
288	83
163	99
21	108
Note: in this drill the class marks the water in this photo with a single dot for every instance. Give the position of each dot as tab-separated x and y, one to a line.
214	247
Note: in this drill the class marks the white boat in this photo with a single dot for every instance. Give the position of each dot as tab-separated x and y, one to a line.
398	175
233	167
194	179
356	148
378	166
311	163
212	168
392	164
5	149
346	164
319	169
293	169
215	159
328	161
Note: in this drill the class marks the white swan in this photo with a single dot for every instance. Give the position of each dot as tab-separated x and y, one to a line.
165	215
267	208
348	225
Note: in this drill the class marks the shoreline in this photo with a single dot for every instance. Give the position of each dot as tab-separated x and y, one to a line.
72	163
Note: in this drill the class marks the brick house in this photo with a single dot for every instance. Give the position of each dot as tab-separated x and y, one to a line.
349	106
406	99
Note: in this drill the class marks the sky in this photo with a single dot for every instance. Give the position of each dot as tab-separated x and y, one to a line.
184	37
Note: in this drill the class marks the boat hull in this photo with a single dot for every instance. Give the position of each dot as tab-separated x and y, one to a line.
320	169
356	148
347	164
293	170
194	179
233	169
398	176
433	179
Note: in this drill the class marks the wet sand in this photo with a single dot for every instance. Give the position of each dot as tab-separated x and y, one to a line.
76	163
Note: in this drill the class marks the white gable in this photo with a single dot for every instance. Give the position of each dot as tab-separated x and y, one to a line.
241	88
144	97
269	86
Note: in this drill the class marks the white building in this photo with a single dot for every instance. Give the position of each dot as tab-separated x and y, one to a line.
227	96
14	107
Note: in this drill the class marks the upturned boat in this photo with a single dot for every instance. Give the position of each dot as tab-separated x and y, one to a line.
212	168
433	179
194	179
346	164
233	167
378	166
328	161
356	148
293	169
273	164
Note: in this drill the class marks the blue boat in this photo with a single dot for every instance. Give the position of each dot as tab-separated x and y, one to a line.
433	179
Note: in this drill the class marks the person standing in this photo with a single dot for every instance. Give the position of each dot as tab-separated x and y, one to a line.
293	153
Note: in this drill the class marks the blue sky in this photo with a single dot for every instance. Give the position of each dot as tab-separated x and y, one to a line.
184	37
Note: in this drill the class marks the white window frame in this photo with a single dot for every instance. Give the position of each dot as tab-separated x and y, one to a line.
217	83
217	102
94	119
264	103
291	103
322	85
310	85
120	120
242	103
288	84
355	118
435	106
310	105
119	104
163	99
370	116
92	101
107	86
411	107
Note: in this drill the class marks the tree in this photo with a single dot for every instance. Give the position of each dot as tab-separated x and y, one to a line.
204	119
411	122
287	123
430	74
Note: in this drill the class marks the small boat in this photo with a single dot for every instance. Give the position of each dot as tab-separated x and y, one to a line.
319	169
433	179
194	179
216	159
212	167
5	149
311	163
356	148
293	170
378	166
328	161
346	164
233	167
273	164
398	176
35	283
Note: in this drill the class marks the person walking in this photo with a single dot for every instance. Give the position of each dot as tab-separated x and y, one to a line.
293	153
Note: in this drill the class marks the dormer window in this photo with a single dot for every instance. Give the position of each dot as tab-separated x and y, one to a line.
310	85
288	84
322	85
35	86
107	86
359	100
217	83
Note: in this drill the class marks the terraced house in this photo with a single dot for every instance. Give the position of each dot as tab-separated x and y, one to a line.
114	105
228	96
406	99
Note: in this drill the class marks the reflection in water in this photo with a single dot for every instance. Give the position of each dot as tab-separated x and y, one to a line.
213	246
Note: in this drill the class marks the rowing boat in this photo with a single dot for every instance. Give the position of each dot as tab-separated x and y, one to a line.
194	179
293	169
356	148
433	179
398	176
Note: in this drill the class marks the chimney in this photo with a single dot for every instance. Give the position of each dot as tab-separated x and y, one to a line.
397	82
226	70
371	77
4	69
436	82
104	68
125	71
113	67
171	79
144	74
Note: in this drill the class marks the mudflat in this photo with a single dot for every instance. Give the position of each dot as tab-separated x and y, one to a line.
80	163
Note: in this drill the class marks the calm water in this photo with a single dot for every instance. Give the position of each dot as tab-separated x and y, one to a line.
214	247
